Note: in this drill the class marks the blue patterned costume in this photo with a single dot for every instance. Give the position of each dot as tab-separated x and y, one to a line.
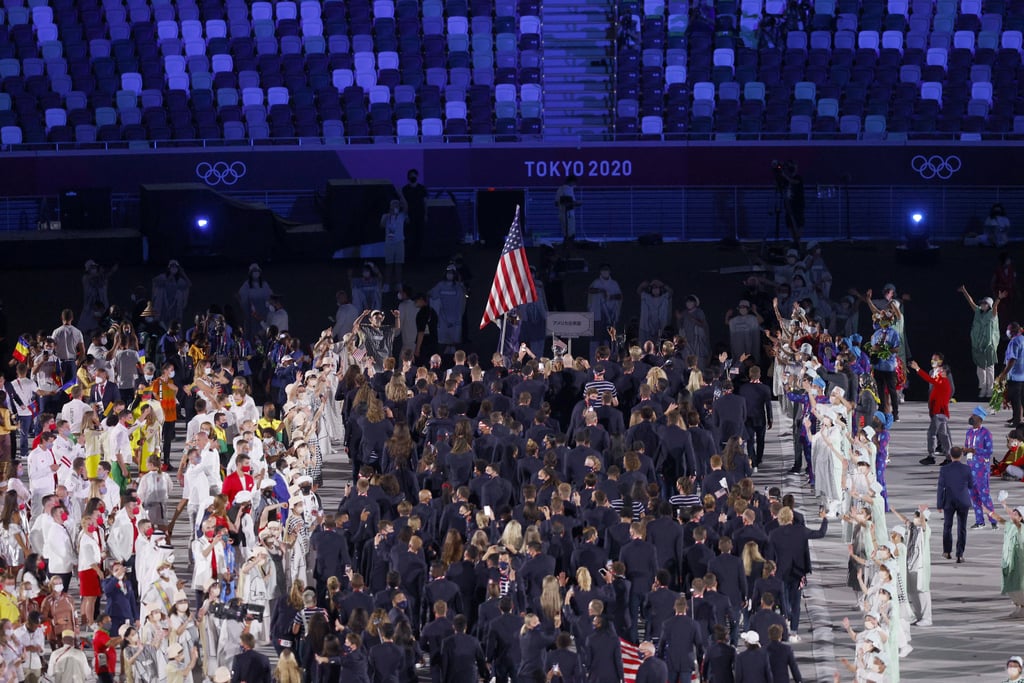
980	440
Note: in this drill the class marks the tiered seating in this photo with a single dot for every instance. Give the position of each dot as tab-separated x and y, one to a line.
874	68
99	70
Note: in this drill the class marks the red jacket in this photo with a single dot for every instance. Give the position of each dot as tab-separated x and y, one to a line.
235	482
939	396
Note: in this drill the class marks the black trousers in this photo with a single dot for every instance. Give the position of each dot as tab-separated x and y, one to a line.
1015	395
755	443
886	381
948	513
168	435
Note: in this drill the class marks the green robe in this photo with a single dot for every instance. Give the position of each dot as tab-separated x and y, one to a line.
1013	558
984	337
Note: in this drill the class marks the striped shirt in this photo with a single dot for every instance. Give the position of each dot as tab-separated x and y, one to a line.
601	385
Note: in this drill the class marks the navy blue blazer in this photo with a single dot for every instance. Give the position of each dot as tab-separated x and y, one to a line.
660	607
386	663
251	667
652	670
752	666
641	560
954	487
502	643
459	654
718	663
681	637
121	604
783	663
732	580
604	657
569	667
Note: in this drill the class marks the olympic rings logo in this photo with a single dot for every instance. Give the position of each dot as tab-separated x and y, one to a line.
936	166
220	172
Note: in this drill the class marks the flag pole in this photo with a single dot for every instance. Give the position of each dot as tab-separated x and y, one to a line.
501	341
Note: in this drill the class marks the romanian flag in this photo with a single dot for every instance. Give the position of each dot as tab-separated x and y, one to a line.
21	350
66	388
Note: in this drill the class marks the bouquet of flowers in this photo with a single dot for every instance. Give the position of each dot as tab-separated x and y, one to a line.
998	399
881	351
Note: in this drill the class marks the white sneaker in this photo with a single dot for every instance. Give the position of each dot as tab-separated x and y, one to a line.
794	638
755	470
906	650
923	623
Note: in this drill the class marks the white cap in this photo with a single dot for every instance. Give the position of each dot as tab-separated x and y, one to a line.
806	348
243	497
268	483
839	391
900	529
869	432
305	479
750	638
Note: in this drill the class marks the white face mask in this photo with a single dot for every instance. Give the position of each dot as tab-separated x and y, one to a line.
59	588
171	374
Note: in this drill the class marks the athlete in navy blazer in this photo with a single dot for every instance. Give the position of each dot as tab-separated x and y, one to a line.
953	497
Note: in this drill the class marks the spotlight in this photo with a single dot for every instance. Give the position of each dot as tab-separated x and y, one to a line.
201	223
917	246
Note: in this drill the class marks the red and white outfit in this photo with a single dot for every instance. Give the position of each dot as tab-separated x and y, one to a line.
89	553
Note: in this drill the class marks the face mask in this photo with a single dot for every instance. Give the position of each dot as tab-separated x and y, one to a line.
936	363
503	566
164	574
63	518
245	469
306	489
404	604
605	274
149	378
135	511
209	533
449	276
103	341
171	374
182	608
91	529
10	589
59	588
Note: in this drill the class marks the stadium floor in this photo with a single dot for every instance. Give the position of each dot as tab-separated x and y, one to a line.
967	639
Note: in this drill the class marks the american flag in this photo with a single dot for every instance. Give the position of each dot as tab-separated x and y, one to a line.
630	660
513	283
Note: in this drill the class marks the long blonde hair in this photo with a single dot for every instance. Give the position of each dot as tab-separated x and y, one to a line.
696	380
512	536
550	597
583	579
287	670
653	375
751	554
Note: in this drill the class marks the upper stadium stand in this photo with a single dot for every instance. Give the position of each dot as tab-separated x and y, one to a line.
135	72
